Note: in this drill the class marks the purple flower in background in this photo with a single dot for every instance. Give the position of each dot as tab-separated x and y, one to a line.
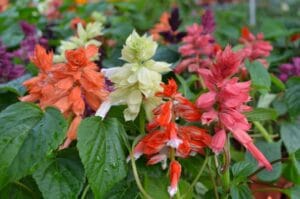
8	71
27	45
28	29
208	22
289	69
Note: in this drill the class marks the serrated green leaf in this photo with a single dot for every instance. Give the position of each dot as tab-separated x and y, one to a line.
272	151
15	86
101	151
241	169
61	177
27	136
292	97
260	78
240	192
290	135
261	114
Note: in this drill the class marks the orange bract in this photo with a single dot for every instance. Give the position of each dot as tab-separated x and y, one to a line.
67	86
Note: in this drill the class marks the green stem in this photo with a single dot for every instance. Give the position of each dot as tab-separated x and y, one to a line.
225	168
263	131
197	177
137	179
24	187
142	123
213	180
85	191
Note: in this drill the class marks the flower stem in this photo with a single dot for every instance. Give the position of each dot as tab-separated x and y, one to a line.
85	191
213	180
263	131
142	123
197	177
225	168
137	179
24	187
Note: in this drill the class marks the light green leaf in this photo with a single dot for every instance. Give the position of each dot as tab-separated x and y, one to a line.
260	77
261	114
101	151
27	136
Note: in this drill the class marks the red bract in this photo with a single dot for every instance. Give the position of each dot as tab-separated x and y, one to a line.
225	103
168	139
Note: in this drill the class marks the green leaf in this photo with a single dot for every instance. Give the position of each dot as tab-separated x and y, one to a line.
240	192
277	82
61	176
259	75
157	187
27	136
26	188
15	86
272	151
101	151
265	100
241	170
295	192
290	135
292	97
167	54
261	114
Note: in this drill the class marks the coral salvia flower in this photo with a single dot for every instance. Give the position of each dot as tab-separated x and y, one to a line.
137	81
68	86
225	103
255	47
167	139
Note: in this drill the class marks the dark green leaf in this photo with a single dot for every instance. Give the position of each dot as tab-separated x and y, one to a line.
292	97
241	170
272	151
61	177
157	187
15	86
290	135
259	75
27	136
240	192
101	151
261	114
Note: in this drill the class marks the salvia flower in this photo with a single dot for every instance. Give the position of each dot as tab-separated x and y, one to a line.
68	86
196	50
167	139
8	71
208	22
225	103
86	34
137	81
255	47
289	69
167	28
